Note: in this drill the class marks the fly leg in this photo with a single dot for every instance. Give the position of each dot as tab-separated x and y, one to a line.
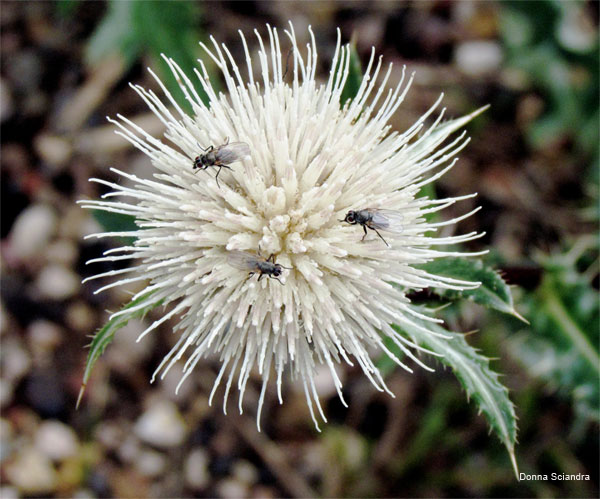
365	229
217	175
380	237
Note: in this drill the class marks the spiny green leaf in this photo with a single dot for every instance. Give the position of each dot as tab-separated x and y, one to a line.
170	28
475	375
116	222
354	79
106	334
114	35
493	293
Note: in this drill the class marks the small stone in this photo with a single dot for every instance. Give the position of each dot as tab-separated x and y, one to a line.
31	472
32	230
44	336
478	57
576	30
56	440
57	282
7	492
108	434
129	449
151	463
54	150
6	437
126	350
196	469
80	317
245	472
62	251
161	425
231	488
324	383
15	360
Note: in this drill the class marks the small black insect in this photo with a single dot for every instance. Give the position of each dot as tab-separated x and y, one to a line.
256	264
374	219
221	156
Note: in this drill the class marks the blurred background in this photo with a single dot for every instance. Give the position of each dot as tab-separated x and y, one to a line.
533	160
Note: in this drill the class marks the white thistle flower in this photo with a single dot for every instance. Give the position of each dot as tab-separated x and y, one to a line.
310	162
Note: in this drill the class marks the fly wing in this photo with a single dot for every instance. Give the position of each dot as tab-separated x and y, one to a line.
232	152
242	260
388	220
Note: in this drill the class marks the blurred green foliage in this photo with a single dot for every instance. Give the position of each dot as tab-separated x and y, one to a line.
564	349
555	46
134	28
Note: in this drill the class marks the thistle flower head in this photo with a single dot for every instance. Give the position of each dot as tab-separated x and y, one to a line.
292	164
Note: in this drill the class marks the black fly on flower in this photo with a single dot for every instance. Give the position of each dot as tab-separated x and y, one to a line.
376	219
256	264
221	157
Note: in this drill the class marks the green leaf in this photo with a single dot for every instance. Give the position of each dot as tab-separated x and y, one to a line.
66	8
170	28
384	363
116	222
114	35
106	334
492	293
354	79
475	375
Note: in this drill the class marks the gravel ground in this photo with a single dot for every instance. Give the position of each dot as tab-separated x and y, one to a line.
133	439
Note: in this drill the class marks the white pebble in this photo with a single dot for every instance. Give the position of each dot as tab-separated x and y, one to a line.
57	282
161	425
196	469
8	492
478	57
324	383
6	439
245	472
31	472
15	360
56	440
62	251
150	463
32	230
44	336
230	488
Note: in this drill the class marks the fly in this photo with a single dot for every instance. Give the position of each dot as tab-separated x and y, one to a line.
375	219
221	157
256	264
